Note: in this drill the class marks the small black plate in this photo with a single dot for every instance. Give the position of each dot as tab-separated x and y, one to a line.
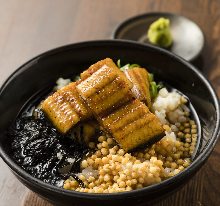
188	39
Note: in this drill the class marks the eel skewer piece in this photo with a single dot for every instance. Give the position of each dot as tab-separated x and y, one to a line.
105	88
65	108
133	125
109	95
107	62
140	80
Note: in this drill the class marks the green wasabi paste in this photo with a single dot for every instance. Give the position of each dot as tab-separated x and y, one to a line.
159	33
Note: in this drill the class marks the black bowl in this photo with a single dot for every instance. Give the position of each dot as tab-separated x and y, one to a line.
43	70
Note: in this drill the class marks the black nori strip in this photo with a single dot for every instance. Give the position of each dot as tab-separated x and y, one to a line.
35	146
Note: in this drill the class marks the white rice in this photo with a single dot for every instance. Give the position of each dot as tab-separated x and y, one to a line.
170	107
89	172
71	160
59	155
60	183
170	135
61	83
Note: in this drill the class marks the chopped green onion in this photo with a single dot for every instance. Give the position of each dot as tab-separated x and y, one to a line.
127	66
119	63
76	78
154	87
159	86
151	77
134	65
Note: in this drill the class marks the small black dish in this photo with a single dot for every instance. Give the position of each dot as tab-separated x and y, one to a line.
188	39
42	71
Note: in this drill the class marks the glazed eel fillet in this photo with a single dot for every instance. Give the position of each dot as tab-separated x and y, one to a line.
137	76
139	79
132	125
105	90
105	93
65	108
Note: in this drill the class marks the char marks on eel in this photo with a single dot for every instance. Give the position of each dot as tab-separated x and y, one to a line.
65	108
140	80
106	89
111	96
133	125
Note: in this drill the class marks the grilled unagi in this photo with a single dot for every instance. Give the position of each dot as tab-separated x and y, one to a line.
65	108
139	78
95	67
132	125
113	98
105	89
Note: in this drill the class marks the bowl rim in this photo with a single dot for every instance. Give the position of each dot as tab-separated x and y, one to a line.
123	24
22	174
